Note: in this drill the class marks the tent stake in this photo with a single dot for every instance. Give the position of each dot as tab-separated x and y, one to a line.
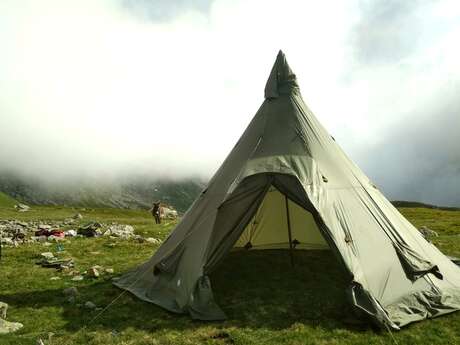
291	248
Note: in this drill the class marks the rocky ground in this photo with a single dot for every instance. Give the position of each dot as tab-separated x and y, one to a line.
14	232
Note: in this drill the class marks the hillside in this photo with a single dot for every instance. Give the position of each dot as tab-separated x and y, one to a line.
415	204
130	193
6	201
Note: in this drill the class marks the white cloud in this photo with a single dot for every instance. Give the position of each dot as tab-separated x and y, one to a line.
92	86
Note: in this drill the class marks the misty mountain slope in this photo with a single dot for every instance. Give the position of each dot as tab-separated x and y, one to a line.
6	200
417	204
120	193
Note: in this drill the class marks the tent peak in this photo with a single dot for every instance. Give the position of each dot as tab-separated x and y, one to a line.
281	80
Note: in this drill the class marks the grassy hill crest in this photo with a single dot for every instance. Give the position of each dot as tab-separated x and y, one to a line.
6	200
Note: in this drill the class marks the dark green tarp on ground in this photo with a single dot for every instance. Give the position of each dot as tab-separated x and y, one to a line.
287	167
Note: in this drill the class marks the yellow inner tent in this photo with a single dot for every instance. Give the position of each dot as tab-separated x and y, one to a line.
269	229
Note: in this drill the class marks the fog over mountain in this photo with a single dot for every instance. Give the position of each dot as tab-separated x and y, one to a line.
96	92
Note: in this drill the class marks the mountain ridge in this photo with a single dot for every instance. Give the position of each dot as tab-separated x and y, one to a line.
128	193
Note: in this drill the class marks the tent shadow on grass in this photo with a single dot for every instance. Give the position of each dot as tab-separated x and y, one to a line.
257	289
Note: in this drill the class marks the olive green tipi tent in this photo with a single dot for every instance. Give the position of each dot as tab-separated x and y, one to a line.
287	184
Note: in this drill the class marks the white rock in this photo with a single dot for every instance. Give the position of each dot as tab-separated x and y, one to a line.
77	278
93	272
9	327
121	230
90	305
3	310
47	255
169	213
71	233
153	240
139	238
55	238
7	241
22	207
77	216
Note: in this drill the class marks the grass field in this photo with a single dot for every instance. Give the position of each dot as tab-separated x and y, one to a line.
6	201
267	301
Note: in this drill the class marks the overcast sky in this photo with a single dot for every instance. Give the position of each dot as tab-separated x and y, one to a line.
110	86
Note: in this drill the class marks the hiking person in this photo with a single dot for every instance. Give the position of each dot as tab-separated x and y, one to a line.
156	209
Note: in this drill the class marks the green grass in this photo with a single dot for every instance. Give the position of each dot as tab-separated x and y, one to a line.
6	201
266	300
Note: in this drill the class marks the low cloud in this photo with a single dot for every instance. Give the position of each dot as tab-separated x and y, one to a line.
109	88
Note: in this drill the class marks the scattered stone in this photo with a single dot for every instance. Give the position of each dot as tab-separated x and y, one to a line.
6	326
7	241
153	240
55	278
61	264
77	216
71	291
16	232
427	232
93	272
53	238
139	238
3	310
120	230
9	327
47	255
169	213
90	305
109	270
40	342
44	227
77	278
71	233
71	299
22	207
